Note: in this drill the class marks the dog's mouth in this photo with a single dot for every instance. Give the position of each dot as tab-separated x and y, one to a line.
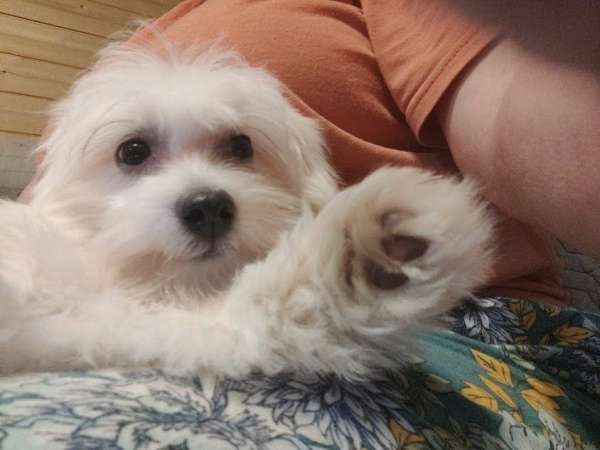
213	250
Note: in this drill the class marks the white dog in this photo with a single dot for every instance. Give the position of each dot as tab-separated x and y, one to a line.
187	218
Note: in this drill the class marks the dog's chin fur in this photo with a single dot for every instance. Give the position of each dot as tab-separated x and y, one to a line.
98	269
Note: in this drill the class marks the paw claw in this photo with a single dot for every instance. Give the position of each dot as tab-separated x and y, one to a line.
404	248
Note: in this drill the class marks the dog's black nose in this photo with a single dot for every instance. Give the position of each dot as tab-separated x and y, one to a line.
208	214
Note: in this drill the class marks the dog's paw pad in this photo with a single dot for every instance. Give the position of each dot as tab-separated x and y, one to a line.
404	248
398	246
379	277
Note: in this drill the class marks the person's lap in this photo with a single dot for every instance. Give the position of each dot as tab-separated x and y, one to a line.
511	375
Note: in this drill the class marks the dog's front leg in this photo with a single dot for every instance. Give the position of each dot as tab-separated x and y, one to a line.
56	313
397	249
55	318
394	251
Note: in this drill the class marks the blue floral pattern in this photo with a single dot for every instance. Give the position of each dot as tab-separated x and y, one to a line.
510	375
487	319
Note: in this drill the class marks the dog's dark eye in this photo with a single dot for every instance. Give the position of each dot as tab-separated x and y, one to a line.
240	147
133	152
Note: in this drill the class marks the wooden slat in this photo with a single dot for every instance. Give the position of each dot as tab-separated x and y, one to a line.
167	3
9	82
34	68
24	103
31	123
141	7
98	10
46	44
8	136
17	145
54	15
17	26
16	162
45	51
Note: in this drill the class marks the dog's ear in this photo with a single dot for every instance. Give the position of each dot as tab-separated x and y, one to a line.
55	155
319	181
44	153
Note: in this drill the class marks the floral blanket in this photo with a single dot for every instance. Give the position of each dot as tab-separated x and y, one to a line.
510	375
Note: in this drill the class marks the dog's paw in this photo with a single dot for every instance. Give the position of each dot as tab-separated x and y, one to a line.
386	272
416	243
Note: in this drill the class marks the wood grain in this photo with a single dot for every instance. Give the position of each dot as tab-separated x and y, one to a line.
60	17
46	44
34	68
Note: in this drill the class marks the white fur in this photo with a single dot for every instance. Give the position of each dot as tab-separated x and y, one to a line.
97	271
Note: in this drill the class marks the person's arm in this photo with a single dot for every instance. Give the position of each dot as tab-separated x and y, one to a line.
528	128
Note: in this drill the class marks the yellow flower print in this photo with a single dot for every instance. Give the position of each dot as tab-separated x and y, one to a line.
525	312
572	335
545	388
480	396
551	310
403	436
500	393
540	402
521	340
517	416
494	367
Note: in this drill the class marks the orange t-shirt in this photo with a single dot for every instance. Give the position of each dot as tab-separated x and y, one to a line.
372	72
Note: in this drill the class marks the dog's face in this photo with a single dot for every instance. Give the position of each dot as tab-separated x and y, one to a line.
180	168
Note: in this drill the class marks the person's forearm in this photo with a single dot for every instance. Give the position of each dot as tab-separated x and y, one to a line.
528	128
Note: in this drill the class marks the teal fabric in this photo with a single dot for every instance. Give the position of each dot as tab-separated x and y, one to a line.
509	375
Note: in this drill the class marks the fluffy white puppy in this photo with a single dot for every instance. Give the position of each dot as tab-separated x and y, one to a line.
186	217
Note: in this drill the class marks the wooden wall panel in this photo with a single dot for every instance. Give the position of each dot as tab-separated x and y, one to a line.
44	46
51	34
45	51
27	86
16	166
142	8
26	123
96	10
24	103
44	13
35	68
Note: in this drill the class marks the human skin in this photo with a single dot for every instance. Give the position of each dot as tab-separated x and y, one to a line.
524	120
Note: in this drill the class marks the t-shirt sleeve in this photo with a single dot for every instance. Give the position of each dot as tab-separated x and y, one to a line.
422	47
